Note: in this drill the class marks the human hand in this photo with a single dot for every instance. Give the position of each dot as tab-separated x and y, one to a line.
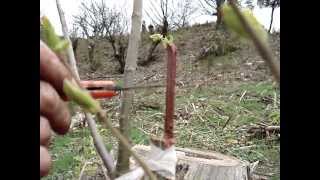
54	113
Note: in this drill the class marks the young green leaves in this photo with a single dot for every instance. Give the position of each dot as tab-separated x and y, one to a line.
50	37
164	40
80	96
71	89
233	22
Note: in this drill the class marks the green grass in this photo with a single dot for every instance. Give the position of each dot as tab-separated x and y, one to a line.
70	152
201	116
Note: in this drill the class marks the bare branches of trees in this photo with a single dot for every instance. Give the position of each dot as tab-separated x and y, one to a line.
166	15
212	8
183	11
176	14
99	22
269	3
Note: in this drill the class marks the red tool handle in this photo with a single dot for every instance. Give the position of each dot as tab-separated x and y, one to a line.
102	94
99	89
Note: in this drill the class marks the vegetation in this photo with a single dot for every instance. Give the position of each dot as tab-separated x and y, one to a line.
232	92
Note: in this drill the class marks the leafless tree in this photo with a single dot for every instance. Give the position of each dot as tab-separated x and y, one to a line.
166	15
249	4
269	3
98	22
212	8
183	11
74	37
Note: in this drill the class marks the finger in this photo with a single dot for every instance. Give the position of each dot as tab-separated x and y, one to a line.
52	69
54	109
45	161
45	131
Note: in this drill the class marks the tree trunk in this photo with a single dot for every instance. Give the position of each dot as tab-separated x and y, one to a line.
91	52
195	164
272	11
219	17
219	21
129	76
150	56
75	46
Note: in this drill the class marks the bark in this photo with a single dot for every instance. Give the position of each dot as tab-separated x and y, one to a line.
129	75
271	21
219	13
91	53
170	95
219	17
75	46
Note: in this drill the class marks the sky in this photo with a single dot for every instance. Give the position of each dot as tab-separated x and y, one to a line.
71	8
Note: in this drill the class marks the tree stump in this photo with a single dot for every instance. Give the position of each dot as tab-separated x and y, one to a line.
200	165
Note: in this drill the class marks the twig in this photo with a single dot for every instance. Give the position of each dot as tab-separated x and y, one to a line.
263	49
82	170
101	116
243	94
227	122
99	145
275	100
70	53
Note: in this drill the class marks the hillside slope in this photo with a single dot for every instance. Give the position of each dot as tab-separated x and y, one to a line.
233	93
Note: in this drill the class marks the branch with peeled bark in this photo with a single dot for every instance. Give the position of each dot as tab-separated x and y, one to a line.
170	95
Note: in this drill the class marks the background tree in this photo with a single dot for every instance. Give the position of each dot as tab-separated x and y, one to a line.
98	22
74	37
212	8
182	14
249	4
269	3
165	16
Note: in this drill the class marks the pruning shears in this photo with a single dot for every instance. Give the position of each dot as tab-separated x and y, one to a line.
109	89
101	89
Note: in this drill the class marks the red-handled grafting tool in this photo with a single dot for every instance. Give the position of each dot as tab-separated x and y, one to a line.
100	89
109	89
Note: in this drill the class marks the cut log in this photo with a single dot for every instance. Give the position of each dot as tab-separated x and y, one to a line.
200	165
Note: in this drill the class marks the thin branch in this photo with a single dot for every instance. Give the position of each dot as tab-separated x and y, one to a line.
83	169
123	140
70	53
261	46
99	145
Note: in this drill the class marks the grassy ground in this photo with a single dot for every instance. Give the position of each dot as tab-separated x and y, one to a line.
233	94
209	119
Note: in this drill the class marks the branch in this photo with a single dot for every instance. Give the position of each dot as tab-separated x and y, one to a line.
70	52
123	140
127	98
170	95
99	145
262	47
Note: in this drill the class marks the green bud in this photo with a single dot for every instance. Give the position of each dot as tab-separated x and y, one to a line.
156	37
50	37
164	40
80	96
233	22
